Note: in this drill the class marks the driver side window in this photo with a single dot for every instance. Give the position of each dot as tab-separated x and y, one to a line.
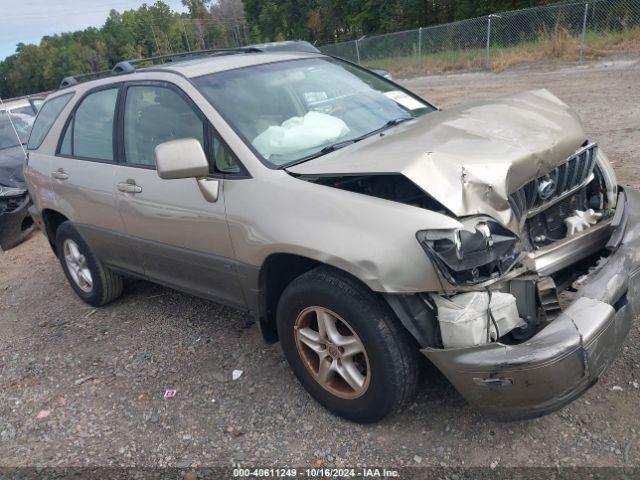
154	115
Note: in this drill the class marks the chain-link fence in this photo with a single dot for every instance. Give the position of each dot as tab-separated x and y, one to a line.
569	31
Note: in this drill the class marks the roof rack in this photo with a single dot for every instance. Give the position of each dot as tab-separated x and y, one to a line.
129	66
84	77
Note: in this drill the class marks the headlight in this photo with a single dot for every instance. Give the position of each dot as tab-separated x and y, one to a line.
481	250
11	191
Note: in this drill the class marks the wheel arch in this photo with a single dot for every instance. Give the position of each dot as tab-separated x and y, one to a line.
276	273
280	269
52	220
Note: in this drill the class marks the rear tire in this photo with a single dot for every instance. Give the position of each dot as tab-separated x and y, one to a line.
360	386
94	283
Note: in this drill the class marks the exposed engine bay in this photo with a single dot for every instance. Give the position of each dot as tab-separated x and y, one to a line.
395	187
554	209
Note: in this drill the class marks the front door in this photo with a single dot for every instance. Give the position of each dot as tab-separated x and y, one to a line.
182	239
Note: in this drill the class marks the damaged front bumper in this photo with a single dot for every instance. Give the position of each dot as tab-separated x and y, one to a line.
511	382
15	223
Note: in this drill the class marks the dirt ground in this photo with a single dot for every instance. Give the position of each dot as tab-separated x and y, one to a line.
80	386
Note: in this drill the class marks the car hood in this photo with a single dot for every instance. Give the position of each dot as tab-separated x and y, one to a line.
470	157
11	163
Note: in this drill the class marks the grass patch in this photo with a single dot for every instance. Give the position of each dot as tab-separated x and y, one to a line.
556	45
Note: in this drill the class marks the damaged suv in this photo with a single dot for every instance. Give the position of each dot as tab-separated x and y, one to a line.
360	224
16	119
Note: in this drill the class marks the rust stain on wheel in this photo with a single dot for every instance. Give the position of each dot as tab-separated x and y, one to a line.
332	352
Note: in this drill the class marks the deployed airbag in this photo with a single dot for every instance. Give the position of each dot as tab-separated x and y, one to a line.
297	134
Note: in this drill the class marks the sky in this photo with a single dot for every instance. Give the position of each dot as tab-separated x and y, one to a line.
27	21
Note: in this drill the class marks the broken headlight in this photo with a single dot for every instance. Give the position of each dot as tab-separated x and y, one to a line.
481	250
11	191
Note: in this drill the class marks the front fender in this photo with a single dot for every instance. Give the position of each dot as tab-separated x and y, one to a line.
370	238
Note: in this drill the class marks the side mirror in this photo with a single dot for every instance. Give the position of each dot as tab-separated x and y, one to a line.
182	158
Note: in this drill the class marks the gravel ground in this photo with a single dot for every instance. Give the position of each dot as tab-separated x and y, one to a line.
80	386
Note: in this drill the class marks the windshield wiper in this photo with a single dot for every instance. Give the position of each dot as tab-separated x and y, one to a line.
394	122
338	145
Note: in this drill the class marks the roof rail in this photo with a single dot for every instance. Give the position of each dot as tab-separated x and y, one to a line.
172	57
76	79
122	67
68	81
129	66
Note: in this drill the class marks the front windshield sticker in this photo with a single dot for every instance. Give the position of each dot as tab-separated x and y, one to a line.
315	97
404	100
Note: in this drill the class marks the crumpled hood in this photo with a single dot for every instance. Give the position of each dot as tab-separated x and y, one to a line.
11	163
470	157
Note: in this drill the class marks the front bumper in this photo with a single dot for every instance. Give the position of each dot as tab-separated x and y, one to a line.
16	225
511	382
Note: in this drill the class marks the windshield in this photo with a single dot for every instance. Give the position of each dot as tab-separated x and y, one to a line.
22	118
296	110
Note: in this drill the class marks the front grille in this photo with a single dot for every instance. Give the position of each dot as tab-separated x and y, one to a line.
572	175
548	226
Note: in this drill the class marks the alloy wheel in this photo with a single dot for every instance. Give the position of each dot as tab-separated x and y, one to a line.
332	352
77	265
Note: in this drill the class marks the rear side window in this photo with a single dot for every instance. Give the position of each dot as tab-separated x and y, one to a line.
89	134
154	115
47	116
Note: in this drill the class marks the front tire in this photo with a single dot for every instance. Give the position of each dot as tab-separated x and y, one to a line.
90	279
346	347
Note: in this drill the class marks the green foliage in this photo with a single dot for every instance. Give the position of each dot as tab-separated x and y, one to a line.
326	21
148	31
155	30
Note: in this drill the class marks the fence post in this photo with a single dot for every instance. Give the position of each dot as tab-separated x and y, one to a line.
420	48
489	42
584	32
358	50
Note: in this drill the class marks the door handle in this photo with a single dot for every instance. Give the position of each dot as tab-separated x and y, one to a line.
129	186
59	174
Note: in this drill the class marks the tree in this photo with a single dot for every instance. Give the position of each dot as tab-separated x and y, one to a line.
154	29
147	31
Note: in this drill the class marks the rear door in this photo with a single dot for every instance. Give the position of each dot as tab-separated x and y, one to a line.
182	239
83	175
